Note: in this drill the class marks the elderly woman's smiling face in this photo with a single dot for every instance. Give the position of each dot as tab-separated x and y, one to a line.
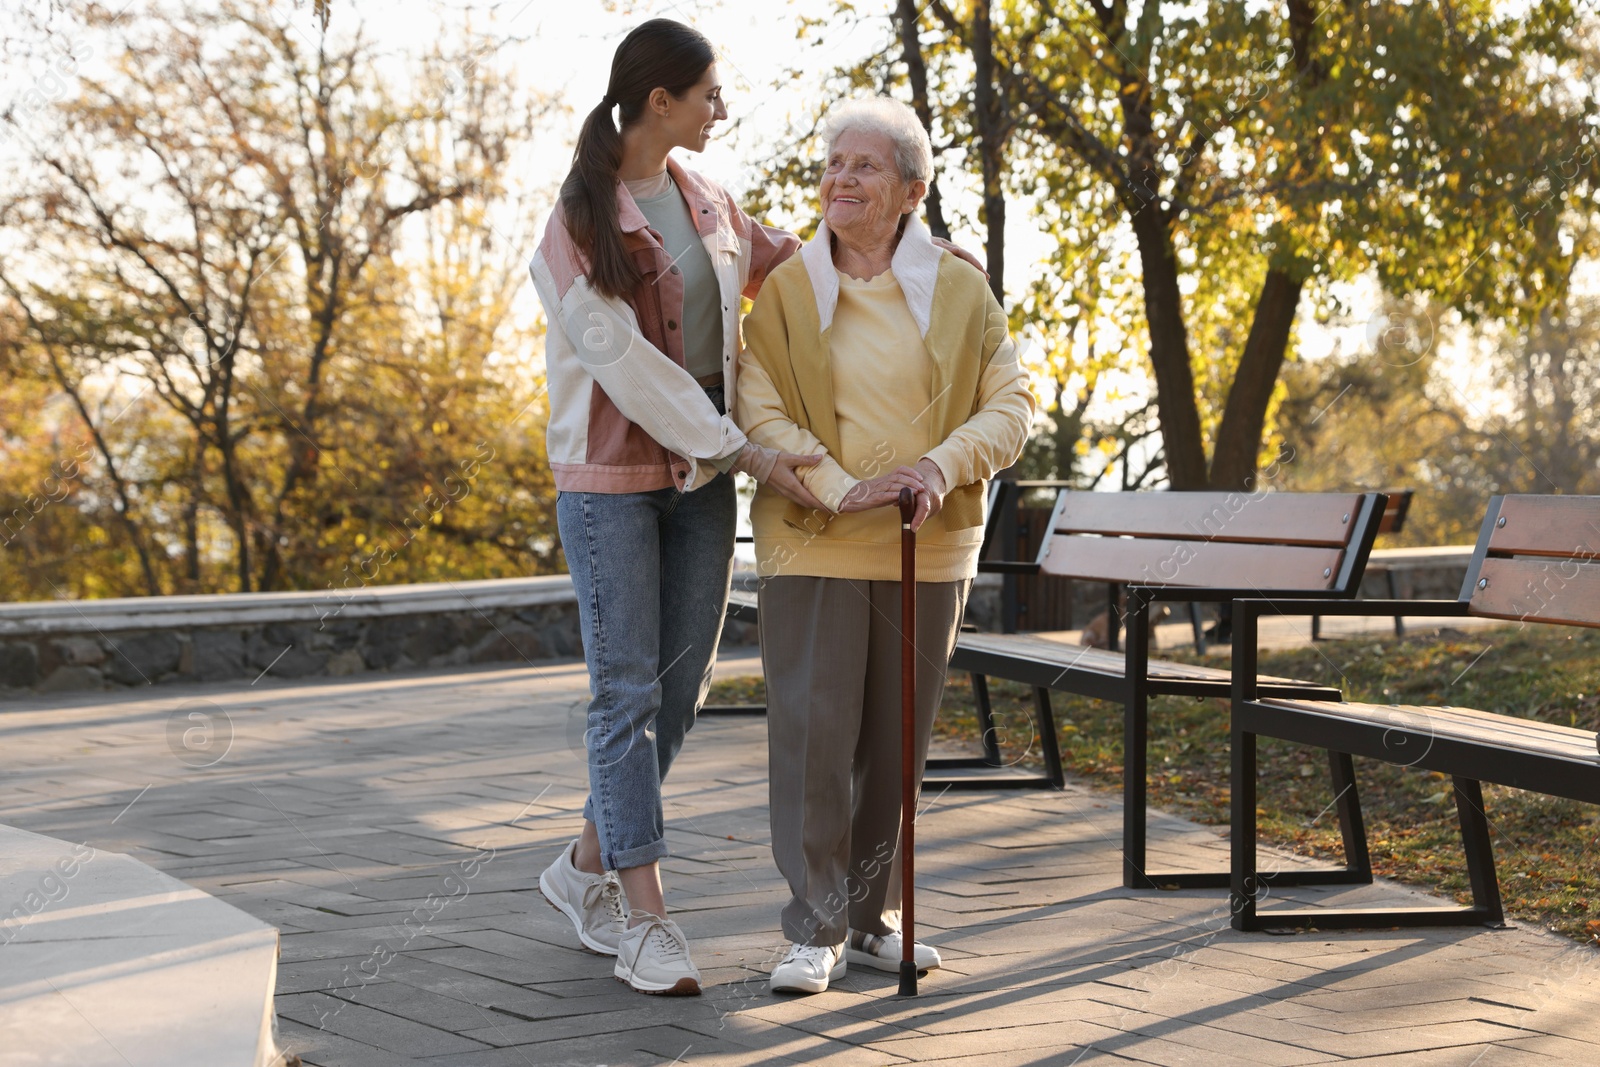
863	195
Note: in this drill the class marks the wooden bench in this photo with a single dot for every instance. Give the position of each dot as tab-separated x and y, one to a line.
1208	547
1394	520
1535	561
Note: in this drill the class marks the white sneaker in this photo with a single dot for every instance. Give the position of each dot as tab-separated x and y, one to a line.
592	901
871	950
808	968
653	957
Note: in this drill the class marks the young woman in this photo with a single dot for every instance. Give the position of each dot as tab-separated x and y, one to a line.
640	272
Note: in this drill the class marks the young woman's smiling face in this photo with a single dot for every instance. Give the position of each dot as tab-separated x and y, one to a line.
863	194
689	120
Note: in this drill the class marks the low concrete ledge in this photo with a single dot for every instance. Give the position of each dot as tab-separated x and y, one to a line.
55	646
308	606
106	962
63	645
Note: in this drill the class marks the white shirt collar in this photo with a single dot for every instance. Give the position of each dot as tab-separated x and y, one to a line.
915	265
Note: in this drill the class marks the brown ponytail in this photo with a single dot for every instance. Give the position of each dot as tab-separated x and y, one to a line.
659	54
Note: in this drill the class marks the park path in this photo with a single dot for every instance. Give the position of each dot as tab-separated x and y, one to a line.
392	827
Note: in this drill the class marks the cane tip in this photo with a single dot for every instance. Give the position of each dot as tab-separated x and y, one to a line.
908	504
908	978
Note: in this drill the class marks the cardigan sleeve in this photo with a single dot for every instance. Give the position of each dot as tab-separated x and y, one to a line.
992	438
759	408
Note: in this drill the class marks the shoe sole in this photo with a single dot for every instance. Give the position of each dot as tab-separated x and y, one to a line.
576	920
811	985
683	987
878	963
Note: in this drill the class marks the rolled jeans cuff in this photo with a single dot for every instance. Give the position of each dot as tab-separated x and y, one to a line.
640	856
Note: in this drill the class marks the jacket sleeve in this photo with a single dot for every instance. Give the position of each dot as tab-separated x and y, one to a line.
652	391
759	407
992	437
769	246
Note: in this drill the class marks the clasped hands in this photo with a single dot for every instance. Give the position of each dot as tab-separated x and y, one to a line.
925	479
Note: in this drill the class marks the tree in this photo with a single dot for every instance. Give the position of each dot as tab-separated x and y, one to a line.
274	291
1252	154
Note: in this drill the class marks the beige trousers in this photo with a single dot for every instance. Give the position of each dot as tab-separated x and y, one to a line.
831	651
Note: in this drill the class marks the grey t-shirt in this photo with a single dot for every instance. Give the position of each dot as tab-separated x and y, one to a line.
667	212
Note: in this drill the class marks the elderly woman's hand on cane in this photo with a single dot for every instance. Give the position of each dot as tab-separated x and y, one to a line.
883	491
930	498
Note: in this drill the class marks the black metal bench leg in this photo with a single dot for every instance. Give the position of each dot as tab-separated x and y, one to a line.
1479	849
1247	883
1357	858
1357	869
1399	623
1135	767
993	771
1198	627
980	696
1048	744
1244	886
1316	627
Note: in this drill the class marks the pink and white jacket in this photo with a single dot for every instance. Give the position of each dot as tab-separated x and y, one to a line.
625	417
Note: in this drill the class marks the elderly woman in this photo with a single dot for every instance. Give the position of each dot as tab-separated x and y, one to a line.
891	358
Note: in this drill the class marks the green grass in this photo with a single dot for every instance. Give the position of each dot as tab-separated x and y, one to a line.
1545	848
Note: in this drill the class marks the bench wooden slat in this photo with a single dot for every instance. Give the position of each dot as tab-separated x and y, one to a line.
1551	590
1325	519
1213	564
1487	724
1458	724
1033	649
1565	526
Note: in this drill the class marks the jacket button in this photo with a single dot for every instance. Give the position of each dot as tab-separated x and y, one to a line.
671	325
675	269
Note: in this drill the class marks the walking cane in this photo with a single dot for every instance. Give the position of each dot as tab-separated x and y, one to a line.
908	732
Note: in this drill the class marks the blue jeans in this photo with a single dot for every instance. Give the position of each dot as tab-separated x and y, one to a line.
651	571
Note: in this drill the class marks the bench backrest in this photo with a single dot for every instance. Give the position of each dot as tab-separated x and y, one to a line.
1396	510
1538	557
1268	542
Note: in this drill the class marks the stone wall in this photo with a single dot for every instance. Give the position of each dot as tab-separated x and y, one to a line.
51	663
55	646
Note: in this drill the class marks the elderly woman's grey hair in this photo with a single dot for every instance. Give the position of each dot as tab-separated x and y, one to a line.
913	154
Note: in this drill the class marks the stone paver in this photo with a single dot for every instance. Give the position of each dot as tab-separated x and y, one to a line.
393	827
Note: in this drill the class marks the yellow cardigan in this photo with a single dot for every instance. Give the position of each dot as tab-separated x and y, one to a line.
981	412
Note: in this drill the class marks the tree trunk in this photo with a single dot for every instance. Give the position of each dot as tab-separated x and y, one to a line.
1244	417
990	122
1233	460
1169	352
905	14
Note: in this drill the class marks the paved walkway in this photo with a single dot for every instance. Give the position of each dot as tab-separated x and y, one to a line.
393	827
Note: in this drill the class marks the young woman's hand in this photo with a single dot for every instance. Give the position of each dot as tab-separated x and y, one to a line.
931	498
785	478
961	253
883	491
